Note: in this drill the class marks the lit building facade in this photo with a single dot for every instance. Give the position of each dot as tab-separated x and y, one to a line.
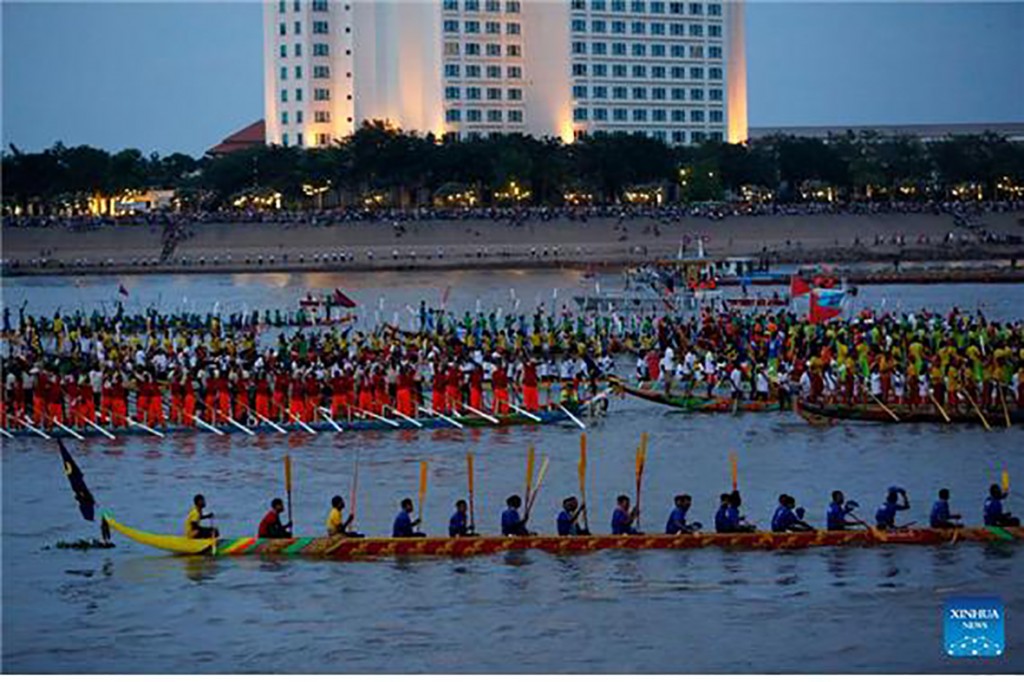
563	68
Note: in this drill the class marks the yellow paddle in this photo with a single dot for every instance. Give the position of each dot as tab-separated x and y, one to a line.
423	487
884	406
582	469
1006	481
288	489
469	473
536	487
529	473
734	465
939	405
641	460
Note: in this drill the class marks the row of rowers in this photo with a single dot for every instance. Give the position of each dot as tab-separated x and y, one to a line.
295	393
572	519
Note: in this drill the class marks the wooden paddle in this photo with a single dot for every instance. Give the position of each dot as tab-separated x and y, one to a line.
469	474
734	466
529	473
1005	481
288	489
1006	411
884	406
582	469
641	459
977	410
423	488
536	487
939	406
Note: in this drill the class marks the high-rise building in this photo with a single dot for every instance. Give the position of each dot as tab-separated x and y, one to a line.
566	68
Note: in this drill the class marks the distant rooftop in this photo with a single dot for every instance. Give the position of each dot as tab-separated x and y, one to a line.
924	131
252	135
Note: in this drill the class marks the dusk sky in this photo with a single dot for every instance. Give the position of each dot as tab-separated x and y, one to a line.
180	76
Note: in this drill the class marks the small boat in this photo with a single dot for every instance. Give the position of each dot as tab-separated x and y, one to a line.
392	422
369	548
697	403
818	413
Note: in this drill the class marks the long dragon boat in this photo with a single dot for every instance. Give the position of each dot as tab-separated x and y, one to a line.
552	415
368	548
817	413
696	403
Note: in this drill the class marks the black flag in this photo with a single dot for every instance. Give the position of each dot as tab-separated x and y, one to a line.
86	502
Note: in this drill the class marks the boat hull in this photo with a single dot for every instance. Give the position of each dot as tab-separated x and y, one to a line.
698	403
368	548
816	412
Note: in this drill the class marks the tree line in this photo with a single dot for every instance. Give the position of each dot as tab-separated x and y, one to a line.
413	169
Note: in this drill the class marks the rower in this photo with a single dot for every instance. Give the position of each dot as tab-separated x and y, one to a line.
787	518
404	525
568	517
838	510
885	517
458	524
192	528
511	524
994	514
335	526
728	518
623	517
676	524
940	516
271	526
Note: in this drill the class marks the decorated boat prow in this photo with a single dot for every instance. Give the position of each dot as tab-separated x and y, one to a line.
696	403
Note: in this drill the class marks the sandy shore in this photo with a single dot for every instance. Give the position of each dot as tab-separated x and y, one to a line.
485	244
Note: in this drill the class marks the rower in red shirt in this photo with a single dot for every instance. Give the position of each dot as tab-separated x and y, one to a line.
404	392
314	395
263	396
280	404
499	381
476	387
241	395
531	396
298	398
453	382
439	397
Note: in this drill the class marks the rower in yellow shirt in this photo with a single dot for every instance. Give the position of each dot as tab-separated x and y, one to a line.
193	529
335	526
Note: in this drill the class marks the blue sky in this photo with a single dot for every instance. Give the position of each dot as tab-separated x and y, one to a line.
179	76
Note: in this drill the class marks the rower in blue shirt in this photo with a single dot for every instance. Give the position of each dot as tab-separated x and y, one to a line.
568	517
458	524
838	510
676	524
940	516
511	524
885	517
787	518
994	514
623	517
404	526
728	519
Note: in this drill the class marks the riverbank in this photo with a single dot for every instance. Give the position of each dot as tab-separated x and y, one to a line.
598	242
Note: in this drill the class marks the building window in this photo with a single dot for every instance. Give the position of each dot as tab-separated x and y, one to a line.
321	50
658	72
600	92
619	49
298	139
579	92
696	73
494	94
600	70
600	114
298	49
579	69
715	73
472	71
298	28
696	116
452	93
514	50
492	6
451	49
696	94
494	71
515	116
319	5
451	26
599	48
677	29
716	116
283	51
473	115
678	94
678	73
473	49
620	92
696	52
281	7
298	94
284	95
676	8
579	5
451	70
298	72
618	5
453	115
284	140
696	30
679	52
639	50
451	5
579	48
512	28
297	5
657	7
512	7
284	73
715	94
679	136
657	50
639	93
637	6
322	139
658	134
298	116
320	27
639	115
658	93
514	72
639	71
715	10
494	116
717	136
638	28
679	115
658	115
472	5
598	5
696	9
618	70
471	27
322	116
515	94
658	29
619	27
697	137
598	26
620	114
321	94
714	31
493	27
284	118
472	93
579	114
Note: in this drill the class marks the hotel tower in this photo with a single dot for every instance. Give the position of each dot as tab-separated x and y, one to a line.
675	71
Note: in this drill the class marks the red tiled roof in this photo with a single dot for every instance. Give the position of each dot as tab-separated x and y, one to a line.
252	135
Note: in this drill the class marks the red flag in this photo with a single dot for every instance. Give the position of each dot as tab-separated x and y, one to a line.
820	313
343	300
798	286
121	290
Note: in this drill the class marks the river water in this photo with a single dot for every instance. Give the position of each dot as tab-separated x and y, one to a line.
819	610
